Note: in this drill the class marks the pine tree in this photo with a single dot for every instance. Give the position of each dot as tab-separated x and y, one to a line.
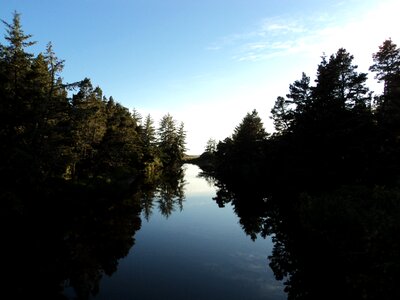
211	146
282	115
288	113
181	140
88	124
149	136
250	130
171	142
387	68
338	85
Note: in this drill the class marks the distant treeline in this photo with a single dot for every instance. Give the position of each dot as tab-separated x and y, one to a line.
52	129
335	131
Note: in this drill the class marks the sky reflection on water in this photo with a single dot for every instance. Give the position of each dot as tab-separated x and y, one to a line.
200	252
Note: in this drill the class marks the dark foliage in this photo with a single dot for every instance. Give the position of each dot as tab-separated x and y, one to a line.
49	129
75	167
325	185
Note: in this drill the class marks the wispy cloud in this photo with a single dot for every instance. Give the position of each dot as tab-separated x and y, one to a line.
313	34
281	26
272	36
213	48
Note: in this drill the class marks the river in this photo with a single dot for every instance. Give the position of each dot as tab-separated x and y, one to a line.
199	251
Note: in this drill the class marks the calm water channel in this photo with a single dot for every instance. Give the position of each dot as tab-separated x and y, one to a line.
199	251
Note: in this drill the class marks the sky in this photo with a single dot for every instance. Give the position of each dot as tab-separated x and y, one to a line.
207	62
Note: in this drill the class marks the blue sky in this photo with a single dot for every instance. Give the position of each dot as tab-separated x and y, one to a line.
206	62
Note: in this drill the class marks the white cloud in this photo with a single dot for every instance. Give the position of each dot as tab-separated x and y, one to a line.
280	26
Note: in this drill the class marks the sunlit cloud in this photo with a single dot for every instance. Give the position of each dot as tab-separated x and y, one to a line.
262	37
281	36
280	26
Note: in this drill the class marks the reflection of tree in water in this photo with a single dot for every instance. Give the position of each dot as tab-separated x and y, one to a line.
67	237
248	204
208	177
147	202
60	241
328	245
343	244
167	192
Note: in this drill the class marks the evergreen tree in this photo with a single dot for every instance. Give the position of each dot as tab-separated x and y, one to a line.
88	125
281	115
249	131
171	142
211	146
387	68
181	140
287	113
120	151
244	151
300	94
387	65
15	101
339	86
149	138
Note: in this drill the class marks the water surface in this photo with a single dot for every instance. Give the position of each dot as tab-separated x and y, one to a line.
199	251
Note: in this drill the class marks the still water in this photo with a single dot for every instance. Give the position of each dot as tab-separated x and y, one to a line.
199	251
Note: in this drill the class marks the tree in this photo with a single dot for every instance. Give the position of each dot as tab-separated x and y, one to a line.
387	64
149	137
387	68
120	152
14	69
281	115
171	141
339	86
246	150
17	59
287	112
300	94
250	130
181	140
211	146
88	124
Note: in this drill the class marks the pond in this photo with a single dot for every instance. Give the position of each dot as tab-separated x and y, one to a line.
197	251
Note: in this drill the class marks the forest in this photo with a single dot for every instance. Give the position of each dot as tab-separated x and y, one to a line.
52	130
325	184
337	128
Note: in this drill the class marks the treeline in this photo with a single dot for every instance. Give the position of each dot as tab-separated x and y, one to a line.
52	129
333	132
325	185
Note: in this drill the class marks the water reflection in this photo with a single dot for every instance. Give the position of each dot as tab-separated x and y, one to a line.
69	242
66	236
167	192
336	244
59	242
342	244
199	253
